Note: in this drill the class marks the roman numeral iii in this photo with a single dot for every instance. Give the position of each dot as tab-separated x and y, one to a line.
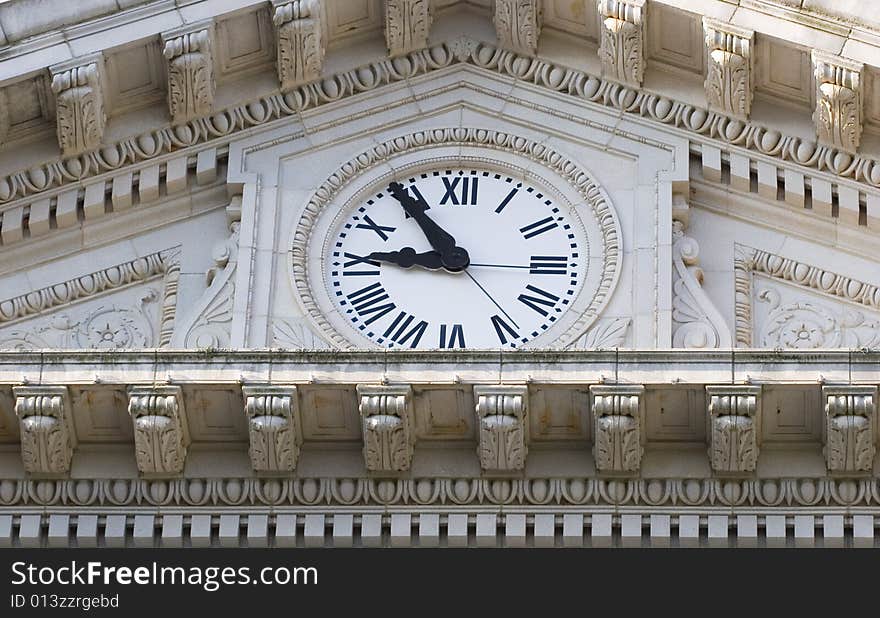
548	265
461	191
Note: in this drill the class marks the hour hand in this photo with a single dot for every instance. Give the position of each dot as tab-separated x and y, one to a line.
407	258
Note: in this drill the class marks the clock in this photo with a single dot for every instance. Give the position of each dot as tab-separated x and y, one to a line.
456	257
456	253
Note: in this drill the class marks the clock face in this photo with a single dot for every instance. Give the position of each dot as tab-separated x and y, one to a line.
455	258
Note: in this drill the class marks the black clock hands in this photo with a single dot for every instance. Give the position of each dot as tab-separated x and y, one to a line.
407	258
452	257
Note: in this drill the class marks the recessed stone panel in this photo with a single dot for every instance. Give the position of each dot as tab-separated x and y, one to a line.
675	415
559	414
444	414
215	415
330	414
100	414
792	414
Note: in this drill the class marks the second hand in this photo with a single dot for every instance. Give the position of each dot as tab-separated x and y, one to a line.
490	298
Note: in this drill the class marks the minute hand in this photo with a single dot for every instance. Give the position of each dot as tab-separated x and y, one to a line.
441	240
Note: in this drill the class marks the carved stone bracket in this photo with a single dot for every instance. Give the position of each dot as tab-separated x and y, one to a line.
622	40
47	433
161	434
838	114
729	81
299	32
273	426
696	322
518	25
734	427
407	25
849	423
502	421
78	85
617	445
191	84
386	416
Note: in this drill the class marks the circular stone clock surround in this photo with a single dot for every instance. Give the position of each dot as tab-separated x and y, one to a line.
570	185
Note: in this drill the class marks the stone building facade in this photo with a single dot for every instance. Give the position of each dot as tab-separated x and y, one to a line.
439	272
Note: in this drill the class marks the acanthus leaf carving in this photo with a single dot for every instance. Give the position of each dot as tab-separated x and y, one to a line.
734	427
161	433
622	40
299	32
502	422
696	322
850	413
46	426
729	79
838	115
616	412
79	104
407	24
273	427
386	420
190	60
518	25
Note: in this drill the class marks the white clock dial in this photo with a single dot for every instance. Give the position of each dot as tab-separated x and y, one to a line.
493	262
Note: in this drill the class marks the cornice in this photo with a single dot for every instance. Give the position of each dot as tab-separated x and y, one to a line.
705	127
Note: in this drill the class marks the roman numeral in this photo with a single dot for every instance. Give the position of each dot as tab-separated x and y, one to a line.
367	301
355	259
372	225
501	327
548	265
538	227
534	302
401	335
418	195
459	197
506	200
456	336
